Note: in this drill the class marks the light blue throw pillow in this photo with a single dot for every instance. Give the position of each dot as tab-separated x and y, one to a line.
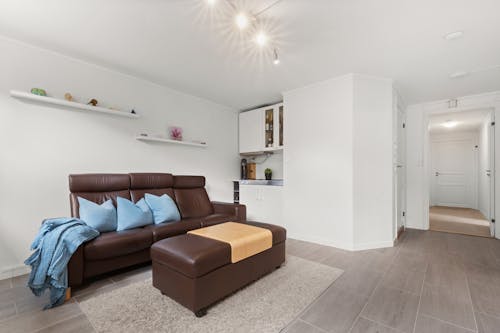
100	217
164	208
132	215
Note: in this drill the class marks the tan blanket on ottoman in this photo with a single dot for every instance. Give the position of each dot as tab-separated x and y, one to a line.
245	240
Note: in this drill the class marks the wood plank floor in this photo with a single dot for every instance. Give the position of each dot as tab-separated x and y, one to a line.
429	282
464	221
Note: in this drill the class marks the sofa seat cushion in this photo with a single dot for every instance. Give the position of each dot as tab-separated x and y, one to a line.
213	219
118	243
191	255
170	229
279	233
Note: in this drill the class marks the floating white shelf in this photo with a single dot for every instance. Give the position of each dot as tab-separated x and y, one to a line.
71	105
164	140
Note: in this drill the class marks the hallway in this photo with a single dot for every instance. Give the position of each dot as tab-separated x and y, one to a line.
458	221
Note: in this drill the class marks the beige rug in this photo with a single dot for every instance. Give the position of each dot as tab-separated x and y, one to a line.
267	305
459	221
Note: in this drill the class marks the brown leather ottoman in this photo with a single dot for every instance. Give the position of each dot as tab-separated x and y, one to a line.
197	272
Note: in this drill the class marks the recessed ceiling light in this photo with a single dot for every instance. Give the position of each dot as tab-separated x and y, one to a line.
211	2
241	21
454	35
450	123
261	38
458	75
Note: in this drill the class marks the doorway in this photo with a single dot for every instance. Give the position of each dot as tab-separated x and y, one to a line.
461	178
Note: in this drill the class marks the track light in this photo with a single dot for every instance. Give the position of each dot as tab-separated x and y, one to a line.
242	21
261	38
276	60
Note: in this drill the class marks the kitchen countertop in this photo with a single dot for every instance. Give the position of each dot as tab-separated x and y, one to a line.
273	182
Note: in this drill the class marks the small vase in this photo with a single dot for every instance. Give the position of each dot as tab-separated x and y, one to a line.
269	176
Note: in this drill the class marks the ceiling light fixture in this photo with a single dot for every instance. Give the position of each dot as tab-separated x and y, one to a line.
242	21
211	2
450	124
453	35
276	60
261	38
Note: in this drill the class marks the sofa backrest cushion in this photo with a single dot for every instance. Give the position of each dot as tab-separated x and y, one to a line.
97	188
154	183
191	196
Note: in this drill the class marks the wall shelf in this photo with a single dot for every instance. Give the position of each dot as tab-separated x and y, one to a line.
164	140
29	97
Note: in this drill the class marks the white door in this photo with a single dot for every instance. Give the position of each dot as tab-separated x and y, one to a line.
251	131
453	164
400	171
491	173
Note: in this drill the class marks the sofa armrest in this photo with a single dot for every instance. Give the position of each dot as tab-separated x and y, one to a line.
76	268
240	211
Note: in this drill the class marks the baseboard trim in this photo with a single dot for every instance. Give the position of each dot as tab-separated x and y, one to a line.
13	271
340	245
373	245
318	240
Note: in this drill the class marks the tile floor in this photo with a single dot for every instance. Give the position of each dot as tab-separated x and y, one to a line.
429	282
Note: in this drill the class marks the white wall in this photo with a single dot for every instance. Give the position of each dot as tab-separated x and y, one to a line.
274	162
40	145
318	162
417	153
484	164
338	162
373	165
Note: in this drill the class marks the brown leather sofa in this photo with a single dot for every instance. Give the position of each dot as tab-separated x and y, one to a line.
119	249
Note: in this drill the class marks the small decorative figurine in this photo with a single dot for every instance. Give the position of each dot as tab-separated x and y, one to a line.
92	102
68	97
38	91
175	133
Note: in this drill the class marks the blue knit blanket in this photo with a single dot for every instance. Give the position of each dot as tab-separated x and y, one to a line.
53	247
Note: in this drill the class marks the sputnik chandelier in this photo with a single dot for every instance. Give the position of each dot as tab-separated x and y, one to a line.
250	24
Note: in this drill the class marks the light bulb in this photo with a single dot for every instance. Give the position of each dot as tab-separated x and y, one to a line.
261	38
241	21
211	2
276	60
450	124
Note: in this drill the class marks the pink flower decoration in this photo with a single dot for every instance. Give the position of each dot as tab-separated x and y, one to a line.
176	133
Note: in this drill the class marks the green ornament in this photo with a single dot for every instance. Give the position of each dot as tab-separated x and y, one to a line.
39	92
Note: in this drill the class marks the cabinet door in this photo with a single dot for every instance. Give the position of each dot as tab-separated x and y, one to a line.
264	203
251	131
269	128
249	196
278	132
271	211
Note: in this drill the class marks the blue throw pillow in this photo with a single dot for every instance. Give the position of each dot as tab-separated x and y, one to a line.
100	217
132	215
164	208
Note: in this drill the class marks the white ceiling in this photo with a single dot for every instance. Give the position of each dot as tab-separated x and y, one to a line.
181	44
466	121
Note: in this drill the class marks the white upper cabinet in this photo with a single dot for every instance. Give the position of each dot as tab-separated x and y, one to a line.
261	129
251	131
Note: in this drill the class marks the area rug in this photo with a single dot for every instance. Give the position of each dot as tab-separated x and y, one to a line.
266	305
